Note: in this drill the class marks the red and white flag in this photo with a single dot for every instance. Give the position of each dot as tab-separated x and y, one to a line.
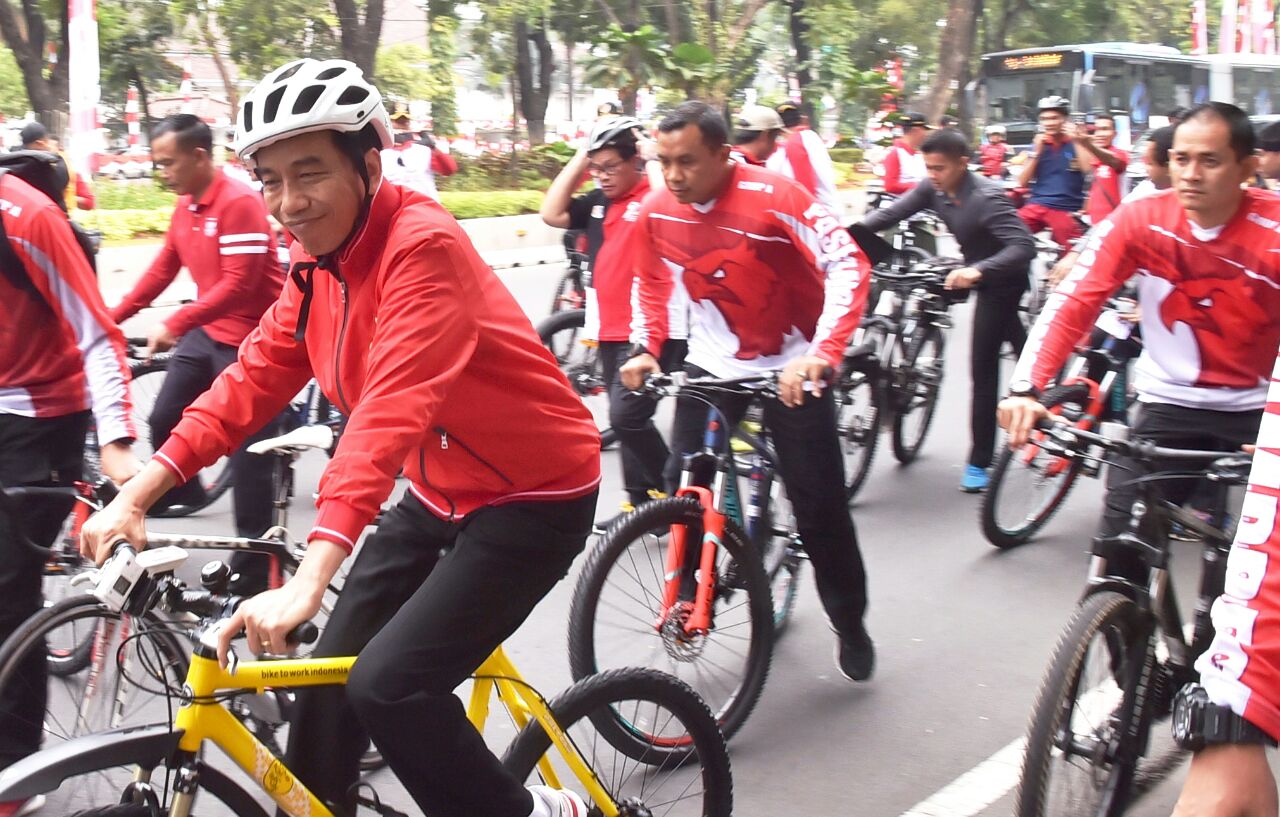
1199	27
1227	31
84	90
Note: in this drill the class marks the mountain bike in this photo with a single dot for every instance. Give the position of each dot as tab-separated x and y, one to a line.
699	584
633	742
1029	485
892	371
1124	653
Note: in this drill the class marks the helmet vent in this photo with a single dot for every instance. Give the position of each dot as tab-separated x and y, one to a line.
246	118
307	98
330	73
290	71
273	104
354	95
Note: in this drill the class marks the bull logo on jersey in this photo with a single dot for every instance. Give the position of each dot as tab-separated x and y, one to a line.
1223	315
742	283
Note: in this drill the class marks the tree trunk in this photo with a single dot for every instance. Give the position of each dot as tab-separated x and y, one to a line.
142	100
228	84
568	67
360	38
672	12
27	44
953	55
534	80
800	44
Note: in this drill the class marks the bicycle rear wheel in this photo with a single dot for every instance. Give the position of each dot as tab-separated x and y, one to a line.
1029	485
1072	767
650	740
144	388
577	357
919	397
618	618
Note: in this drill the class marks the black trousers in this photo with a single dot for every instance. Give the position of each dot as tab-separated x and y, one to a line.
196	361
644	452
995	323
34	451
421	622
812	468
1174	427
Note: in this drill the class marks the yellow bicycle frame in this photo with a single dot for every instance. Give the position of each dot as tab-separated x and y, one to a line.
203	718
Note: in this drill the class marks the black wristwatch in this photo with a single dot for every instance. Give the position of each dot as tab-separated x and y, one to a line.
1198	722
636	350
1023	388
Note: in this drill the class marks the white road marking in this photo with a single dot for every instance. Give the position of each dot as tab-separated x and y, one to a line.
977	788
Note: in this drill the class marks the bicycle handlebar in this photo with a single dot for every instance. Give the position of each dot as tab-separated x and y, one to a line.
669	384
1138	449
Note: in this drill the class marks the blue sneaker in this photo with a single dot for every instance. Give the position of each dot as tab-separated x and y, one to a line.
975	480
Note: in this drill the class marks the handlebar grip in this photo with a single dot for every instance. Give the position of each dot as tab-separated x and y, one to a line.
305	633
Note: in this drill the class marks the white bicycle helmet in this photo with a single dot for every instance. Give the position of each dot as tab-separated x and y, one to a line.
309	95
996	129
1053	103
610	129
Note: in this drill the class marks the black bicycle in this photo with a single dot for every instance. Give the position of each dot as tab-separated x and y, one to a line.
892	371
1124	653
571	289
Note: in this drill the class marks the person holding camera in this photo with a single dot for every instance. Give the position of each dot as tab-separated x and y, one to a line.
1052	170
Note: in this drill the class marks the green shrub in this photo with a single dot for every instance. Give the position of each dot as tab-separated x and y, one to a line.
849	156
527	170
132	195
122	225
492	203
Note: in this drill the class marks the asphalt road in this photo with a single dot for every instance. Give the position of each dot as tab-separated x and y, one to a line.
963	634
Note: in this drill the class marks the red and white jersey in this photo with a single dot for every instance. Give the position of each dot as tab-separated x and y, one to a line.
804	158
903	168
1241	668
770	274
1210	302
1109	186
60	353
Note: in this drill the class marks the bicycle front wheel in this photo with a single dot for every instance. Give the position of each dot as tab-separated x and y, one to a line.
648	738
919	397
1076	762
131	662
1029	485
618	617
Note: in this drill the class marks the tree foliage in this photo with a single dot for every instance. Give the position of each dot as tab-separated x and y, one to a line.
13	96
130	37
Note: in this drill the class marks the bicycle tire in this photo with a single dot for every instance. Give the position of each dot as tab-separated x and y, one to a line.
580	361
923	388
782	567
117	700
1062	703
601	706
231	795
569	294
144	387
1047	471
858	421
743	603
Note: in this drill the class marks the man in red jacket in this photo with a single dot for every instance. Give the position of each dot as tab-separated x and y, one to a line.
441	376
219	233
62	364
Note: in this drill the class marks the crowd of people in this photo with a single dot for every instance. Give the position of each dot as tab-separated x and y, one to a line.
716	247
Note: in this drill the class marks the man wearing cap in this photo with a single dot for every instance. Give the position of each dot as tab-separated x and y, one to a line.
36	137
755	135
904	166
1269	155
412	163
804	158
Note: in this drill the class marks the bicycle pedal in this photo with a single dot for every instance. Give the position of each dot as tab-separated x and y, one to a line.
373	802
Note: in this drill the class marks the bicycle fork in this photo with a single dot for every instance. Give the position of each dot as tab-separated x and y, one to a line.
698	619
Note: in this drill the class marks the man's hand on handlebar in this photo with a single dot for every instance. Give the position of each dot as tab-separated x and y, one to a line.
635	370
1018	416
809	369
963	278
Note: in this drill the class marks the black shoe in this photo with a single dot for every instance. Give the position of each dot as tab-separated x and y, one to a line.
856	656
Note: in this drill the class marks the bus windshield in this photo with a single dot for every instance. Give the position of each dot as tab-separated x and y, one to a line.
1013	97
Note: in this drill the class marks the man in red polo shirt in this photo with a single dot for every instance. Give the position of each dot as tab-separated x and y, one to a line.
220	234
904	164
1109	165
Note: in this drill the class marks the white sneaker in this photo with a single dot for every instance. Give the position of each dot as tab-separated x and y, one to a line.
561	802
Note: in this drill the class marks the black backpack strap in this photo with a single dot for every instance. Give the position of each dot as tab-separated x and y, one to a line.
11	265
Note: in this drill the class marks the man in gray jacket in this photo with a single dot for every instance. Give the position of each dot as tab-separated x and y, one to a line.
997	250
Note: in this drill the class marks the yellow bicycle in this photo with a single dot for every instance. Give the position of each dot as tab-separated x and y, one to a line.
632	742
